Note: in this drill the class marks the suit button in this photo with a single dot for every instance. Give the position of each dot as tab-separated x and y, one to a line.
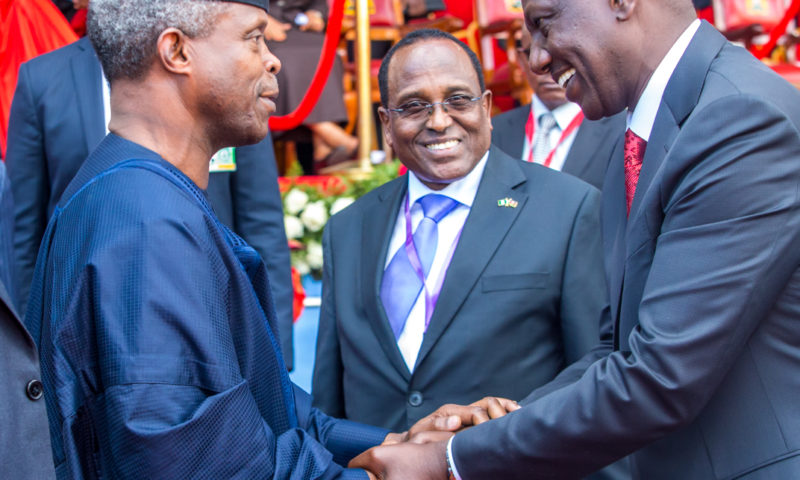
415	399
34	389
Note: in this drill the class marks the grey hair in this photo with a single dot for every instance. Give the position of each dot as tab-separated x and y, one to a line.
124	32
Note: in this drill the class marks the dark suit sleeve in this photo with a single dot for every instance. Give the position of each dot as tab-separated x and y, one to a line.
327	379
258	218
343	438
723	253
27	169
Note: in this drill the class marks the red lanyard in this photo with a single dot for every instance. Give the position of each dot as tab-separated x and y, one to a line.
530	127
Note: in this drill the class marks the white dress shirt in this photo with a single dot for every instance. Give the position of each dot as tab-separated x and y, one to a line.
106	99
463	191
643	117
564	114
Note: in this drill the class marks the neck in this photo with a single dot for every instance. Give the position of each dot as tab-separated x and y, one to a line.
655	50
156	118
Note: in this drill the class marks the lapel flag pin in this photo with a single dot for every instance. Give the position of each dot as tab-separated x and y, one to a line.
507	202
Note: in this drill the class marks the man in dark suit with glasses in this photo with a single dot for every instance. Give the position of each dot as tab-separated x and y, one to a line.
474	274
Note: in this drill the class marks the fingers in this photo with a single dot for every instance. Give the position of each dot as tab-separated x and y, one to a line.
395	438
451	418
430	437
497	407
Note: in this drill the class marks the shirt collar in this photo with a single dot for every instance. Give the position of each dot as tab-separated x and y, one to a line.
642	118
563	113
462	190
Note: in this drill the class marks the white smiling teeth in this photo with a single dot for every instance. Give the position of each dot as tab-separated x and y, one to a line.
564	78
442	146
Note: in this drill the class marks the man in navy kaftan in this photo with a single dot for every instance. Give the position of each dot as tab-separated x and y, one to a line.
156	328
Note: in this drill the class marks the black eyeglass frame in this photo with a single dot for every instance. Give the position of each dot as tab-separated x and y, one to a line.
428	107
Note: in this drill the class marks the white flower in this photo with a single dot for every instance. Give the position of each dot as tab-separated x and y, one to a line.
314	255
293	226
301	267
314	216
295	200
340	204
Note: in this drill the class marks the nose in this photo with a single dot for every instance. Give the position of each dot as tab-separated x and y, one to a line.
271	63
540	58
438	119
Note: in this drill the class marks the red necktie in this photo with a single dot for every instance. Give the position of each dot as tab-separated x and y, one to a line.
634	154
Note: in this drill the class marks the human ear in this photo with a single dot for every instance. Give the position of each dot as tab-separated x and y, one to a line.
623	9
172	50
384	116
486	103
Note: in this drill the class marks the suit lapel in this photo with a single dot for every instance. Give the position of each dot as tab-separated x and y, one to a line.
614	221
484	230
679	99
87	78
378	225
5	298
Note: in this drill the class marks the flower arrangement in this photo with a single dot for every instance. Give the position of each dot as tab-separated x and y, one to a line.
308	203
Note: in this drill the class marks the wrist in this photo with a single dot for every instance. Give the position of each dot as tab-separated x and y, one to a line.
452	472
449	460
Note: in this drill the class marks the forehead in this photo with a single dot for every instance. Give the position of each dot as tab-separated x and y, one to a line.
239	17
431	65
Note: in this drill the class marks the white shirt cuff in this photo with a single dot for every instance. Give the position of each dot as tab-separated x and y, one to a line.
450	461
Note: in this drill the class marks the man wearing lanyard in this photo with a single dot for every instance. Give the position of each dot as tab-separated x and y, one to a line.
474	274
552	131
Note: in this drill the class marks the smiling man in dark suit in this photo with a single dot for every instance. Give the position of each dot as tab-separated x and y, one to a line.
514	290
552	131
56	122
701	227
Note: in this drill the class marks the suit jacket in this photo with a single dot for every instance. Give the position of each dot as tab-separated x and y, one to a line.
704	281
24	438
589	154
54	125
521	299
159	356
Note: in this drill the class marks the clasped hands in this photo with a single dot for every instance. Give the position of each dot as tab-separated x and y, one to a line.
419	453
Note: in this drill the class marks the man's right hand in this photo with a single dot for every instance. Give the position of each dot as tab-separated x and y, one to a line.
450	418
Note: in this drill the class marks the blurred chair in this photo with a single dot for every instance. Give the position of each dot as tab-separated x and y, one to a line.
500	21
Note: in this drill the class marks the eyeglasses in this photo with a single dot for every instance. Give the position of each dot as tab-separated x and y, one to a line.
418	110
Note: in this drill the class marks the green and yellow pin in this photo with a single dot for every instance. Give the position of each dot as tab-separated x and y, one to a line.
507	202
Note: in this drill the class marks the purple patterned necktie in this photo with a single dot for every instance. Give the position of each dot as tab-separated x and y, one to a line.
401	284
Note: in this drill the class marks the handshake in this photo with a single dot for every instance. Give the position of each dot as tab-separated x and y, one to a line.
421	452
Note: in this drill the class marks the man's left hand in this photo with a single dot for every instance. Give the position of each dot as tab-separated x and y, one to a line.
448	419
405	460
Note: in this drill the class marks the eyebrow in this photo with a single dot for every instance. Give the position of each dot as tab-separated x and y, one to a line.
416	93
